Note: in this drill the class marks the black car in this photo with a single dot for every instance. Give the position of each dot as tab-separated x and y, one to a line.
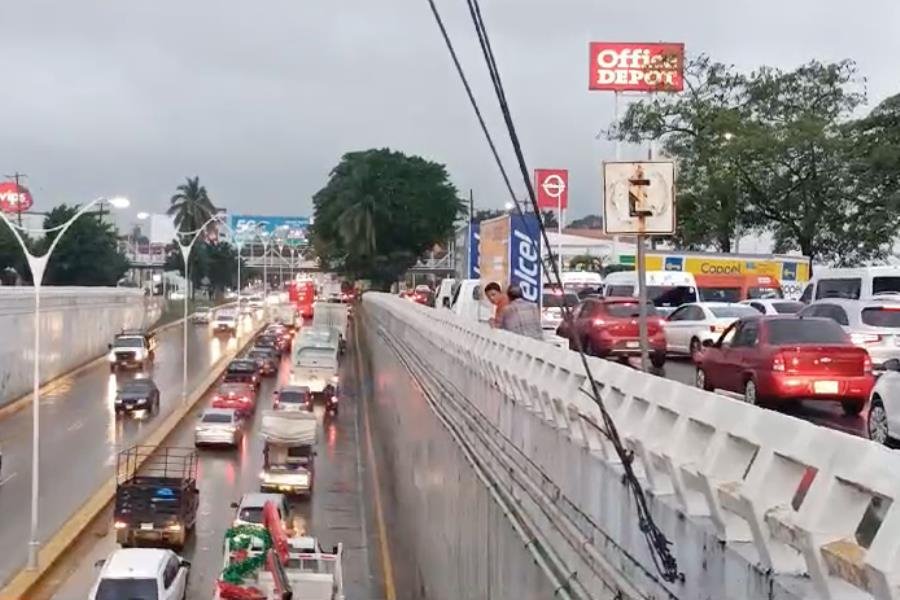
243	370
266	359
137	394
274	342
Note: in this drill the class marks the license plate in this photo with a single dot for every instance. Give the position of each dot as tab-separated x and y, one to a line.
147	526
632	344
825	387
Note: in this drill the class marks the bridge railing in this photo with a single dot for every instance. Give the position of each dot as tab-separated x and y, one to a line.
812	510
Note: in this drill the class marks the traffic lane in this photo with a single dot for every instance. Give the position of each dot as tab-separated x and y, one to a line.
335	513
80	435
827	414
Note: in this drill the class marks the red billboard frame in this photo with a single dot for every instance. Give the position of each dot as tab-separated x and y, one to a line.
636	67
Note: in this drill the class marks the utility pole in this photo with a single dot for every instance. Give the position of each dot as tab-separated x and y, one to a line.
16	176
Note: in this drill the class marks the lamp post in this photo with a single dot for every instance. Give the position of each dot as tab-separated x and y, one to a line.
38	265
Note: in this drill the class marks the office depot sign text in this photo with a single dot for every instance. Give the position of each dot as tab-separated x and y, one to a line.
14	198
636	67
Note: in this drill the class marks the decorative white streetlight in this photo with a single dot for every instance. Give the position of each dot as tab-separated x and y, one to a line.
38	265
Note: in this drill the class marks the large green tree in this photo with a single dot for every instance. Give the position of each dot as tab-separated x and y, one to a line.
379	211
191	206
88	254
12	260
771	150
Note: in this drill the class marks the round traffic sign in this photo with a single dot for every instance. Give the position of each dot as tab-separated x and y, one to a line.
554	186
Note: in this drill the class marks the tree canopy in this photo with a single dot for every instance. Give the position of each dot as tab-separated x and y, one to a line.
191	206
587	222
214	262
380	211
777	151
88	253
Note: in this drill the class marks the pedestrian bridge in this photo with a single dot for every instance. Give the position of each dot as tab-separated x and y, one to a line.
507	487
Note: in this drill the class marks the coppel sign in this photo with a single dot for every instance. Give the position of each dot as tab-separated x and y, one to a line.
636	67
525	256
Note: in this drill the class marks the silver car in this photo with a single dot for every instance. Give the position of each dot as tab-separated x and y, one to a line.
871	324
552	308
692	324
219	427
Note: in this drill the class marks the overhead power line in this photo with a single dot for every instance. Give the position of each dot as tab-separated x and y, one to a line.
657	542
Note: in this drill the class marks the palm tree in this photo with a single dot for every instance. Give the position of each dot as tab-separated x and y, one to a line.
191	205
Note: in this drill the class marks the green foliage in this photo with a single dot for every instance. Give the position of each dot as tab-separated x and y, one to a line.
488	213
12	257
776	151
379	211
215	262
585	262
190	205
88	253
549	219
587	222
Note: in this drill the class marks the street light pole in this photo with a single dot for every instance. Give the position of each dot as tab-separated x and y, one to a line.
38	265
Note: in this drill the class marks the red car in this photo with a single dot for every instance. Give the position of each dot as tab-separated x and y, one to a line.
239	396
608	327
787	358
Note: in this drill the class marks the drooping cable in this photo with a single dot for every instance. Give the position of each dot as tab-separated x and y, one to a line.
657	542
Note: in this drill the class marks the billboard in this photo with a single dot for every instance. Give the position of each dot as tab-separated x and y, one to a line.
493	253
552	187
636	67
525	255
639	197
288	230
14	198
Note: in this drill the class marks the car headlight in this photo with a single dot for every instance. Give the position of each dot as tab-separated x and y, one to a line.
111	357
141	401
138	354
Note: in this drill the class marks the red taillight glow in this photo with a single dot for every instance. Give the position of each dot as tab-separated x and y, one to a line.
599	322
867	365
778	363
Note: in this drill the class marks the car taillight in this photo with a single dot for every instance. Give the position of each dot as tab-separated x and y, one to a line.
216	398
121	525
599	322
778	363
867	365
865	338
717	328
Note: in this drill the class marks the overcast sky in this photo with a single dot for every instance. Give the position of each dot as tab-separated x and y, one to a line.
261	99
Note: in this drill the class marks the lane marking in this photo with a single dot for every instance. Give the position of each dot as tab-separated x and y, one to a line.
7	479
387	566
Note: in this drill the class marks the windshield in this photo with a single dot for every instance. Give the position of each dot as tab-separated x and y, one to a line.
262	354
130	342
225	317
292	397
879	316
126	589
315	358
720	294
628	309
671	296
764	292
805	331
787	308
216	418
135	386
251	514
732	312
556	300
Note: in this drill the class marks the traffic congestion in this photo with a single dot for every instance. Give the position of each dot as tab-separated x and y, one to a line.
831	355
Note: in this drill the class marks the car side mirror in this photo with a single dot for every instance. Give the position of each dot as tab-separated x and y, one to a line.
708	343
186	564
235	505
109	346
892	364
99	563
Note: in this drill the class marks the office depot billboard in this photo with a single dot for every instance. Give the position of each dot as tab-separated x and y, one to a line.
636	67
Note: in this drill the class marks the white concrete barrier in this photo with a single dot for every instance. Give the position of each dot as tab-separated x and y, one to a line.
76	325
758	504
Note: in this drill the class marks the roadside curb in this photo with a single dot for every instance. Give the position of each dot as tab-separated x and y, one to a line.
24	581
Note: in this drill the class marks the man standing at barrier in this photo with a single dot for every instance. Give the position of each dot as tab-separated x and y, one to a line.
521	316
498	299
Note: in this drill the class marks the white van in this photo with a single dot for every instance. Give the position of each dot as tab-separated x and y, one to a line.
576	281
469	301
666	289
862	283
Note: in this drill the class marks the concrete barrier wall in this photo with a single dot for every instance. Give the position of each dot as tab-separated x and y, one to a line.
76	325
757	504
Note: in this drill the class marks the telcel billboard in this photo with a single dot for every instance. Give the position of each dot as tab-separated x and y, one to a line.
288	230
636	67
525	256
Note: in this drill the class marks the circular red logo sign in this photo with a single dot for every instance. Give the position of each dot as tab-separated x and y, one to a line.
14	198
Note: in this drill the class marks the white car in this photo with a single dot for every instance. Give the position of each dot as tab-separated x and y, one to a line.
692	324
142	573
250	509
219	426
225	321
883	421
775	306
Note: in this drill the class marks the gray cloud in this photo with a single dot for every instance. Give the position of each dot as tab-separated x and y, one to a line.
261	100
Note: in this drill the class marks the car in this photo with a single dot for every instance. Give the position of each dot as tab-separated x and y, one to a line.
608	327
692	324
293	397
141	573
219	426
250	509
137	394
274	342
267	360
552	307
871	324
243	370
225	321
203	315
256	301
783	359
238	396
774	306
883	417
132	348
421	295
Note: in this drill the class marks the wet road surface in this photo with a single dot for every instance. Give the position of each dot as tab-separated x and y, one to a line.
336	513
80	436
